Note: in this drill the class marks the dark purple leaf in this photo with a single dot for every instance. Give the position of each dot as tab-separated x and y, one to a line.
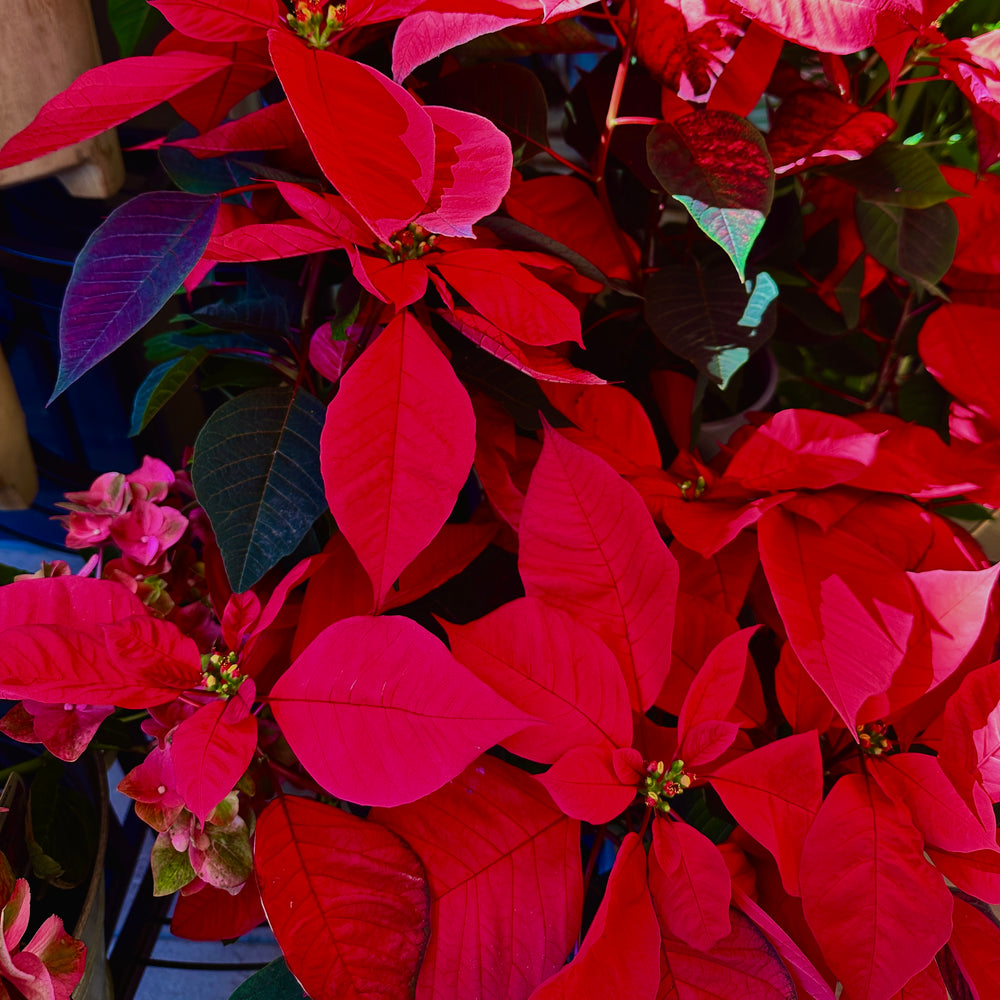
129	268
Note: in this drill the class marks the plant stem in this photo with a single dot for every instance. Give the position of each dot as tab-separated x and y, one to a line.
25	767
600	173
890	361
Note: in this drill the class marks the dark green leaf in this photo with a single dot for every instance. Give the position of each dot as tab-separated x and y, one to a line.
62	833
717	166
922	400
235	373
897	175
522	237
7	573
848	292
128	20
702	312
256	472
918	244
173	343
159	385
508	95
208	176
267	314
273	982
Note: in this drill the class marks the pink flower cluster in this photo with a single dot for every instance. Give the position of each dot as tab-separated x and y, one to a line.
128	510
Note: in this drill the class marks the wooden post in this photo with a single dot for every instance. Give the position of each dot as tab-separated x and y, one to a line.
44	46
18	479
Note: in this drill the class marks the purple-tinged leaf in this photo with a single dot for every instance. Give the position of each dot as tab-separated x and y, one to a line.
717	166
129	268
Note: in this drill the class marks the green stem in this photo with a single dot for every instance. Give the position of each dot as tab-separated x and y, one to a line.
25	767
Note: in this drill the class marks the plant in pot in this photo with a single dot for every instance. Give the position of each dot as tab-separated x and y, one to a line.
463	663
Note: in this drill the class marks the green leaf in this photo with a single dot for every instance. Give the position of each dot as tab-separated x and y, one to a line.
273	982
717	166
256	472
160	385
897	175
922	400
128	20
62	834
918	244
702	312
7	573
508	95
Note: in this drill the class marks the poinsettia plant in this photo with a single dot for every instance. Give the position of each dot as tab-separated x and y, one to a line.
467	655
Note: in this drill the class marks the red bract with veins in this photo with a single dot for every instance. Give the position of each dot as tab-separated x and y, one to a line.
461	657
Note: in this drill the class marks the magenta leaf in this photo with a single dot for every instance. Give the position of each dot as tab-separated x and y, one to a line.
589	546
506	895
863	878
129	268
625	924
396	448
211	753
717	166
380	713
346	899
550	666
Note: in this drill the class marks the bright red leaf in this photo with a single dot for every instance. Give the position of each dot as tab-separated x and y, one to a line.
54	663
943	818
956	346
364	720
339	102
585	783
396	448
510	297
473	161
64	600
690	884
543	661
211	749
863	879
625	924
106	96
506	895
743	964
220	20
838	26
588	545
848	611
774	793
347	900
976	945
802	449
814	126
